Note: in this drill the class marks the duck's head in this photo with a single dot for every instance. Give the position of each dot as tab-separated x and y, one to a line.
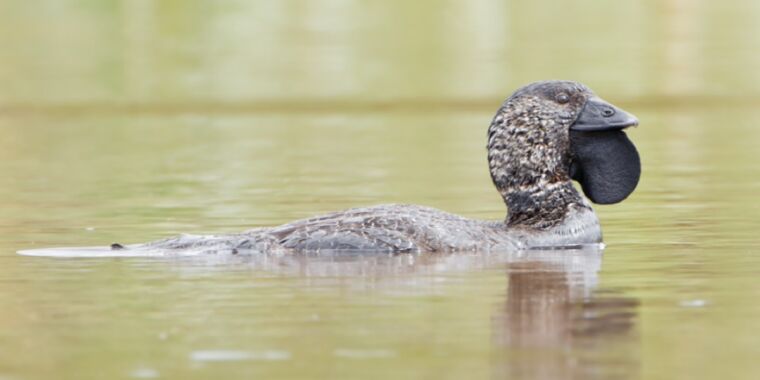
549	132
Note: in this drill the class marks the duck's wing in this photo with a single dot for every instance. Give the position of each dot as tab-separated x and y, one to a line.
387	228
376	229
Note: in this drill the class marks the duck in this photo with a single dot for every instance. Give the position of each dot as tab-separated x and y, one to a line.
543	137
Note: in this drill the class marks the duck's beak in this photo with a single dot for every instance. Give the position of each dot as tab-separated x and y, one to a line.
598	115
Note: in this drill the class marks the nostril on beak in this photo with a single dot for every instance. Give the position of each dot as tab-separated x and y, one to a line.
607	112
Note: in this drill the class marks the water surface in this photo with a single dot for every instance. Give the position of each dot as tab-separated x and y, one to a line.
130	121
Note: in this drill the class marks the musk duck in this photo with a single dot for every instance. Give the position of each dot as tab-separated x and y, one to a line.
544	136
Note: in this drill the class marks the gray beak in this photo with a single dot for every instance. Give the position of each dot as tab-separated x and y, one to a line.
598	115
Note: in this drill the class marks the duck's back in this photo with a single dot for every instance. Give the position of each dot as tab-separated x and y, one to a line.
392	228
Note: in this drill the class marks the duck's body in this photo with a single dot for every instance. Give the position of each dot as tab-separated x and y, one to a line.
393	228
542	137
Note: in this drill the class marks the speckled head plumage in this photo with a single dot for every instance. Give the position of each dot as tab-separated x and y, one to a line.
532	155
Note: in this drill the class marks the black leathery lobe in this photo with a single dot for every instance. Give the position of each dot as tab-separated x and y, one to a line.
606	164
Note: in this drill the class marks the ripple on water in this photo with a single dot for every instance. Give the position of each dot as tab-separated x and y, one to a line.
95	252
358	353
235	355
696	303
144	373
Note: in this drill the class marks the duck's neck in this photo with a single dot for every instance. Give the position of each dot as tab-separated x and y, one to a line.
541	205
529	165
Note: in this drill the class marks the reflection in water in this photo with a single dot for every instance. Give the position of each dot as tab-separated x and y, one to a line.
553	323
554	326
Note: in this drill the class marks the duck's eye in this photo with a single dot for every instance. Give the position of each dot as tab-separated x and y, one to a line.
562	98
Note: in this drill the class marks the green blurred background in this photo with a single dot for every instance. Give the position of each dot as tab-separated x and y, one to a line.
134	120
234	54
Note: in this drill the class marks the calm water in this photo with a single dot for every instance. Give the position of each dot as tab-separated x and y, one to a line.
134	120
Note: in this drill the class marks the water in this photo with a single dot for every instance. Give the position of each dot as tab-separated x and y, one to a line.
131	121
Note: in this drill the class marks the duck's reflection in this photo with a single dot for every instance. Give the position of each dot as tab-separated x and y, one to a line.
552	322
554	325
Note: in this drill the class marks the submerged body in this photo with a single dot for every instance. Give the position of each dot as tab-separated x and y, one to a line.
542	137
393	228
